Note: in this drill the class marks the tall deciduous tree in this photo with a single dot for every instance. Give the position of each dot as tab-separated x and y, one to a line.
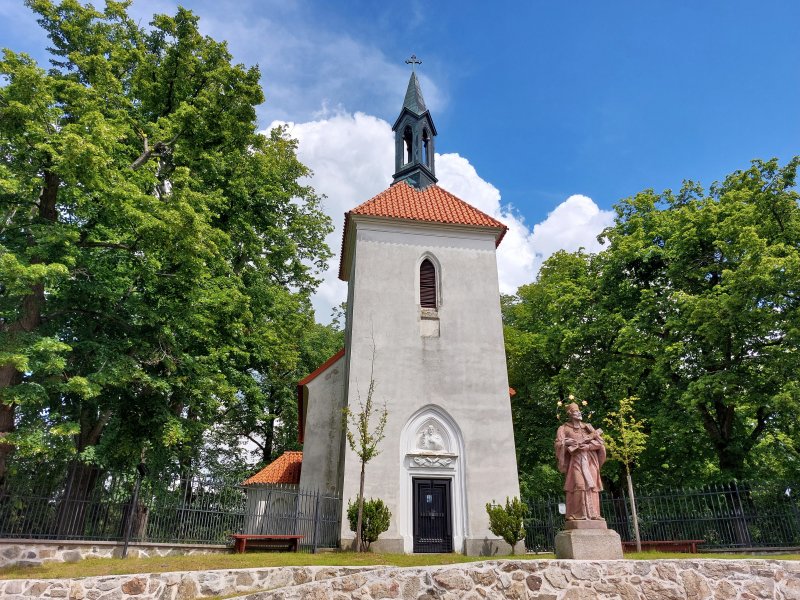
153	245
692	307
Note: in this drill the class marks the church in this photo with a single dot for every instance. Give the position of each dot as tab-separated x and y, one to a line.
424	325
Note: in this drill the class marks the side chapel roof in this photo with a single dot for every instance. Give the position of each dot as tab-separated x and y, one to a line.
301	412
284	469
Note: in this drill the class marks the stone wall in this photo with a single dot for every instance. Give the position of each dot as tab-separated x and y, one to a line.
563	580
693	579
171	586
32	553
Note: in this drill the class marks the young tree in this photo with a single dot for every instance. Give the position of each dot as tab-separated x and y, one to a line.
508	522
363	440
625	443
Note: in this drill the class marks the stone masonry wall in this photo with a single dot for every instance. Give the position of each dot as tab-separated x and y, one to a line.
171	586
32	553
693	579
563	580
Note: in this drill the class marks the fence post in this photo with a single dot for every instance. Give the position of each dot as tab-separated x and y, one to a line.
316	525
141	469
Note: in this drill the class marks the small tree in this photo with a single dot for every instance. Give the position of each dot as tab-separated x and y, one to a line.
375	519
508	522
625	445
363	442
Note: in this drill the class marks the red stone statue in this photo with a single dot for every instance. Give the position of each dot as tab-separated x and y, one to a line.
580	452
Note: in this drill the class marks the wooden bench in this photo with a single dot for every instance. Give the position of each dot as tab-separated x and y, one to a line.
665	545
289	543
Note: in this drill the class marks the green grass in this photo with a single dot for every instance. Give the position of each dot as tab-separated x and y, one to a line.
207	562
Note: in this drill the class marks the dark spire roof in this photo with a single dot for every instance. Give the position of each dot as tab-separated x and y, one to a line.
413	100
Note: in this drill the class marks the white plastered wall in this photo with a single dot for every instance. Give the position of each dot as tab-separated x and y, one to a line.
323	430
462	370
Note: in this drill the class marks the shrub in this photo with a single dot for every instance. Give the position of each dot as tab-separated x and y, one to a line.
508	522
374	520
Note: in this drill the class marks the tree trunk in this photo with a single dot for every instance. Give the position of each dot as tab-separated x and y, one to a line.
77	504
359	523
633	511
30	319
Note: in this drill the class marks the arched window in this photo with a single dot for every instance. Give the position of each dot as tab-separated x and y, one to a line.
427	284
407	138
426	148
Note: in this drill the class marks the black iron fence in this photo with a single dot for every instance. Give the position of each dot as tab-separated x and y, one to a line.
730	516
85	503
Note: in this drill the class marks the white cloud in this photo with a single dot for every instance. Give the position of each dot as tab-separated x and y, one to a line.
306	63
352	157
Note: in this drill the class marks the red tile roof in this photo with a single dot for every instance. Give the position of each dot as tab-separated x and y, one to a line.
301	415
432	205
284	469
321	368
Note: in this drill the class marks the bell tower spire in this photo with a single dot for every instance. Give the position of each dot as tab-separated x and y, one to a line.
413	135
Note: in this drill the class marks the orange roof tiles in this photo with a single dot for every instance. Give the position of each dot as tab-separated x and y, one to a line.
432	204
284	469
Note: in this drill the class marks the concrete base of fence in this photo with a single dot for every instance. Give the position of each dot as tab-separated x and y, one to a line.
32	553
694	579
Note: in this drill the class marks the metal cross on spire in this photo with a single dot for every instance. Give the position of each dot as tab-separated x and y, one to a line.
413	61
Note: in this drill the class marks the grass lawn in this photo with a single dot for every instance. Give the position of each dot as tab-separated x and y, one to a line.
207	562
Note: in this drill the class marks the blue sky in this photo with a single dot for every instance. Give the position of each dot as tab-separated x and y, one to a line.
547	112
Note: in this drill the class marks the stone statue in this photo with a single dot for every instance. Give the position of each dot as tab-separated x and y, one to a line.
580	451
431	440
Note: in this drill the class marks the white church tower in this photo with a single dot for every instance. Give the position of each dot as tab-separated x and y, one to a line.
423	322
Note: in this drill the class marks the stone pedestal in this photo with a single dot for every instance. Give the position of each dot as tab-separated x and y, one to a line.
588	540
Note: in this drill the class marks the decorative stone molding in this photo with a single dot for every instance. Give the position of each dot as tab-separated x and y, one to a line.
425	460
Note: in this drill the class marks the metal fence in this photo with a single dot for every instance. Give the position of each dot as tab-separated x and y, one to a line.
737	515
85	503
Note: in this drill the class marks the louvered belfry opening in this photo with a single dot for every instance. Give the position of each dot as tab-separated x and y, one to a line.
427	284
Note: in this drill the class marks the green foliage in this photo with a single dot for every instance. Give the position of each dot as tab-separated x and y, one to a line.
625	438
375	519
691	307
157	253
508	522
362	441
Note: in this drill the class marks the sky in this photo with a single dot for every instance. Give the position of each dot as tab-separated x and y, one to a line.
548	113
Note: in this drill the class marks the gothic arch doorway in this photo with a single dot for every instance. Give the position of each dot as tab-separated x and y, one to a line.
432	510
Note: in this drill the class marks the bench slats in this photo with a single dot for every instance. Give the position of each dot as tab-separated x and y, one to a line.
290	542
666	545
